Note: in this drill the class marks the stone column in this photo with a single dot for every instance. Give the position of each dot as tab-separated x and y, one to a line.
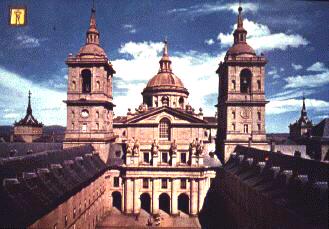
129	200
155	197
200	161
194	198
136	196
174	196
201	193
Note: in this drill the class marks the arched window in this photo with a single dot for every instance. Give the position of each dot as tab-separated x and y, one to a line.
181	102
165	101
74	86
245	81
98	85
86	80
164	129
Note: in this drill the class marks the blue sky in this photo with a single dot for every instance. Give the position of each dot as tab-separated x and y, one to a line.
293	35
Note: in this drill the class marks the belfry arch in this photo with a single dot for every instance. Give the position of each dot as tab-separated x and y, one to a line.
245	81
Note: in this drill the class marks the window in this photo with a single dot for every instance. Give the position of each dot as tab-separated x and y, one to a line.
146	157
145	183
181	102
74	86
164	157
98	85
245	81
84	127
233	85
72	125
164	129
55	226
97	126
165	101
258	85
65	220
233	114
183	183
183	157
164	183
259	127
74	213
233	126
86	81
97	114
245	128
116	182
72	114
259	115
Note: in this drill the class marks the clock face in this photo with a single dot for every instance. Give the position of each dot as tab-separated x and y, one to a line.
84	113
245	113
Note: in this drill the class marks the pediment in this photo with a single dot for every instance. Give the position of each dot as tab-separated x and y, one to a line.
175	116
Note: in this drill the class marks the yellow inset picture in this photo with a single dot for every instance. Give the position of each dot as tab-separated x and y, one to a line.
17	16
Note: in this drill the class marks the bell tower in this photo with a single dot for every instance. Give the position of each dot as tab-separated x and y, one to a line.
89	95
241	97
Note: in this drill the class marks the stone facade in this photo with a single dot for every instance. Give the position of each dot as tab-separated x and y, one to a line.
166	146
241	100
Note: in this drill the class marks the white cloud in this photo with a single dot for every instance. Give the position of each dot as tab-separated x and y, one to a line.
196	70
26	41
274	73
296	66
129	28
294	105
261	39
47	104
209	8
209	41
308	81
317	67
291	93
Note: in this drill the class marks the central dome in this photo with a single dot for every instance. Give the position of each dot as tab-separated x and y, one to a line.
165	79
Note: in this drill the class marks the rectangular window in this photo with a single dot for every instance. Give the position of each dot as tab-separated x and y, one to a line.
116	182
259	116
65	221
233	114
233	85
245	128
258	85
74	213
259	127
233	126
164	183
183	183
164	157
183	158
145	183
146	157
84	127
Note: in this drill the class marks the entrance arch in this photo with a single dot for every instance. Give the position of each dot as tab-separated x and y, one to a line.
116	200
146	202
183	203
164	202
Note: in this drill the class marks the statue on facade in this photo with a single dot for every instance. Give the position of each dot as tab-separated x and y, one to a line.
192	148
136	148
173	148
155	147
130	146
199	148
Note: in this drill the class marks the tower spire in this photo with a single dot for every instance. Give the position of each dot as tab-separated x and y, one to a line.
240	33
303	111
92	33
29	108
165	63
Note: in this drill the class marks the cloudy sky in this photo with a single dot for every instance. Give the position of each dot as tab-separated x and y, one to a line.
293	35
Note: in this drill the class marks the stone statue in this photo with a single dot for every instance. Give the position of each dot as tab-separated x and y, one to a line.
192	148
199	148
155	147
136	148
173	148
130	146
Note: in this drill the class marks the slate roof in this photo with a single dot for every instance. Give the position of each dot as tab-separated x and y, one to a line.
15	149
321	129
297	186
33	185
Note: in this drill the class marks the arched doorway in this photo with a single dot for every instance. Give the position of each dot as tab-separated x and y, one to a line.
164	202
146	202
183	203
116	200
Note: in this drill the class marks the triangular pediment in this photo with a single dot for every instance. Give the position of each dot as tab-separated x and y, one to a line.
176	116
